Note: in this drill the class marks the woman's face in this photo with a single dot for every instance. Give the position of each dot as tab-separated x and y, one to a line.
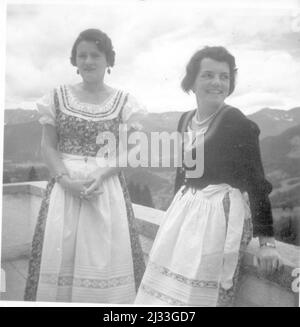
212	82
90	62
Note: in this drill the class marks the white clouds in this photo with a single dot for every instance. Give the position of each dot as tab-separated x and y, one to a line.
267	79
153	44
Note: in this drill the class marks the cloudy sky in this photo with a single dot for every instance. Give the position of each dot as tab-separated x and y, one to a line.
153	42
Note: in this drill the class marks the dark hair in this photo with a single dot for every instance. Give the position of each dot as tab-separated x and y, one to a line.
102	41
216	53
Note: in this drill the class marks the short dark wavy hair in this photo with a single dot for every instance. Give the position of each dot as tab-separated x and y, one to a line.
102	41
216	53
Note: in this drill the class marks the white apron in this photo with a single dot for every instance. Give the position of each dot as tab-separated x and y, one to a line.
196	249
86	253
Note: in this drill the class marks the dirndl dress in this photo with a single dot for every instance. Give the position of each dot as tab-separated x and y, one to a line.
85	250
197	252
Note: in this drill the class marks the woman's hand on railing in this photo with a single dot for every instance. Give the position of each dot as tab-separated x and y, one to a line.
268	260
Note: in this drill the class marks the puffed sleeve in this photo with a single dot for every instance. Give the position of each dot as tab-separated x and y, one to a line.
46	109
133	113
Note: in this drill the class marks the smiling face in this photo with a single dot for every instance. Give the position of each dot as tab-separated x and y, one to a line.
90	62
212	82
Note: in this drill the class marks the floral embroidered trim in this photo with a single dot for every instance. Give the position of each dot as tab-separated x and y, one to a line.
37	246
137	252
163	297
86	282
226	207
91	110
103	107
182	279
72	102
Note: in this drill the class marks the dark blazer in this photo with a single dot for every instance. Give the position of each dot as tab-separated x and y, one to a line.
232	156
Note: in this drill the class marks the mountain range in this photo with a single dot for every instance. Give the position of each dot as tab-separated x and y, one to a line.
275	121
280	148
271	121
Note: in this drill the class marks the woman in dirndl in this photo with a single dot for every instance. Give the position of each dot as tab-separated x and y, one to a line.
196	256
85	246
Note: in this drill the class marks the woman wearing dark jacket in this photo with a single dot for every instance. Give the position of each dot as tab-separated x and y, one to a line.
196	256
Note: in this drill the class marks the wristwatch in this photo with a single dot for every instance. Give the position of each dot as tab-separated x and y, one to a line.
268	244
59	176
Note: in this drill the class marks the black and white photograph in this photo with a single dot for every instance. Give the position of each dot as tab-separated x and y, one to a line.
151	153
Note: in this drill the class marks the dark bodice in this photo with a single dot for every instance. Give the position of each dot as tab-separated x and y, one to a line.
82	133
232	156
80	136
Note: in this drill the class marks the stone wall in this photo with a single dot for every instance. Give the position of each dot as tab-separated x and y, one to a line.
20	208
